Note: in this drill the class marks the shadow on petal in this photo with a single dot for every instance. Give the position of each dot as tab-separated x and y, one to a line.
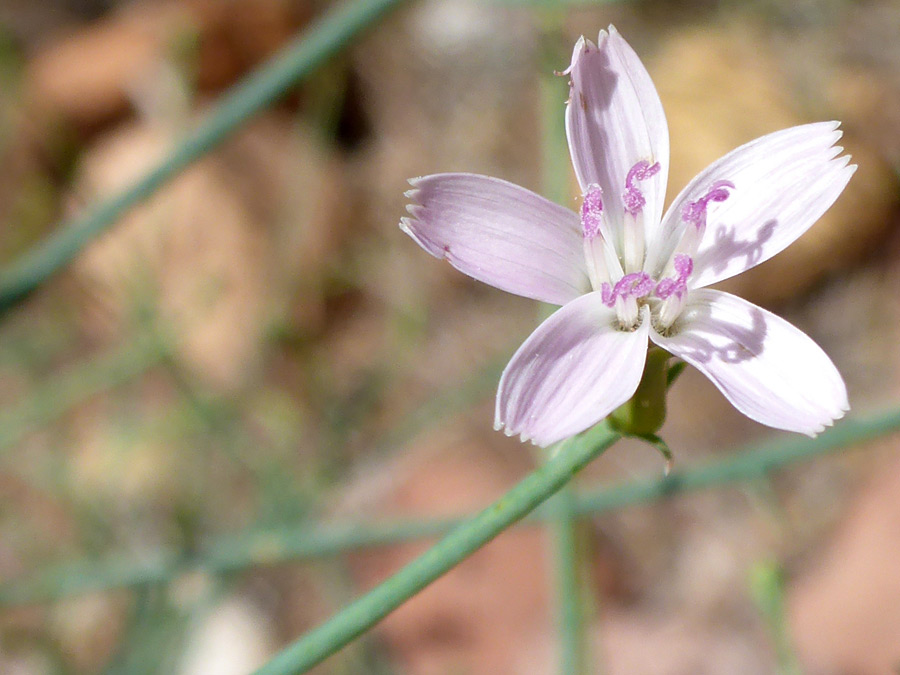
742	342
728	247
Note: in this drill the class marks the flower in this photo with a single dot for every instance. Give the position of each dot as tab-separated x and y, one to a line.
626	274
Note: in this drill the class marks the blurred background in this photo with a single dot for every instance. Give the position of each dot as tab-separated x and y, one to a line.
258	347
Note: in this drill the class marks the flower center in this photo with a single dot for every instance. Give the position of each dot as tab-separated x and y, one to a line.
616	255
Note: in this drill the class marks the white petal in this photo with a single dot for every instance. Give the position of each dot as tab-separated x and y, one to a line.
769	370
574	370
499	233
614	119
784	182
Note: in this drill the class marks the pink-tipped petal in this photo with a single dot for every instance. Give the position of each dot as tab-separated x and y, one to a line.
614	119
574	370
783	183
771	371
499	233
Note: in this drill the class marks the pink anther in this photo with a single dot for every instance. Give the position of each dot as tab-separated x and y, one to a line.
695	212
633	198
634	285
676	286
591	212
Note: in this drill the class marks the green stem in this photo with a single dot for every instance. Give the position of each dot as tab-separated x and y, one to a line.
238	552
767	586
556	168
464	540
324	38
569	592
46	404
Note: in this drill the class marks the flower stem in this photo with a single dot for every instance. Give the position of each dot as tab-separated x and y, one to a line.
472	534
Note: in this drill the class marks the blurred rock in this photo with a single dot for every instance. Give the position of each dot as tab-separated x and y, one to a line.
867	107
720	91
296	187
193	249
217	251
90	76
845	612
864	82
649	643
87	629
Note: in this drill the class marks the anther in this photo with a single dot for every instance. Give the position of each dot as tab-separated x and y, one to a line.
695	212
634	285
633	198
592	212
676	286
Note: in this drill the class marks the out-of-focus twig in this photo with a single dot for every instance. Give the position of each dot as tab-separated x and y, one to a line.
324	38
268	547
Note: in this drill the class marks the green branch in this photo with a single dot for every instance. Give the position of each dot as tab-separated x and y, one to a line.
238	552
459	544
46	404
323	39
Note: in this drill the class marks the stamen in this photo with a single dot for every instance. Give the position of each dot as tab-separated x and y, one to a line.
633	198
634	285
591	212
676	286
695	212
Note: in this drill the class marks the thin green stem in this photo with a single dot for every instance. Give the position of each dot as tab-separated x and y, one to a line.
767	586
324	38
570	599
459	544
269	547
556	167
755	462
443	404
70	389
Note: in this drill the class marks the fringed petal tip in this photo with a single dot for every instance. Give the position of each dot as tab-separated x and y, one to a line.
499	233
614	119
824	426
784	182
523	436
585	46
769	370
582	45
414	193
413	208
410	224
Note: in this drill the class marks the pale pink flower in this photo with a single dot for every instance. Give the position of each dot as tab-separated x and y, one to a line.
625	273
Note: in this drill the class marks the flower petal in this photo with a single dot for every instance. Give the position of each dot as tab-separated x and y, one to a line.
614	119
784	182
499	233
574	370
767	368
